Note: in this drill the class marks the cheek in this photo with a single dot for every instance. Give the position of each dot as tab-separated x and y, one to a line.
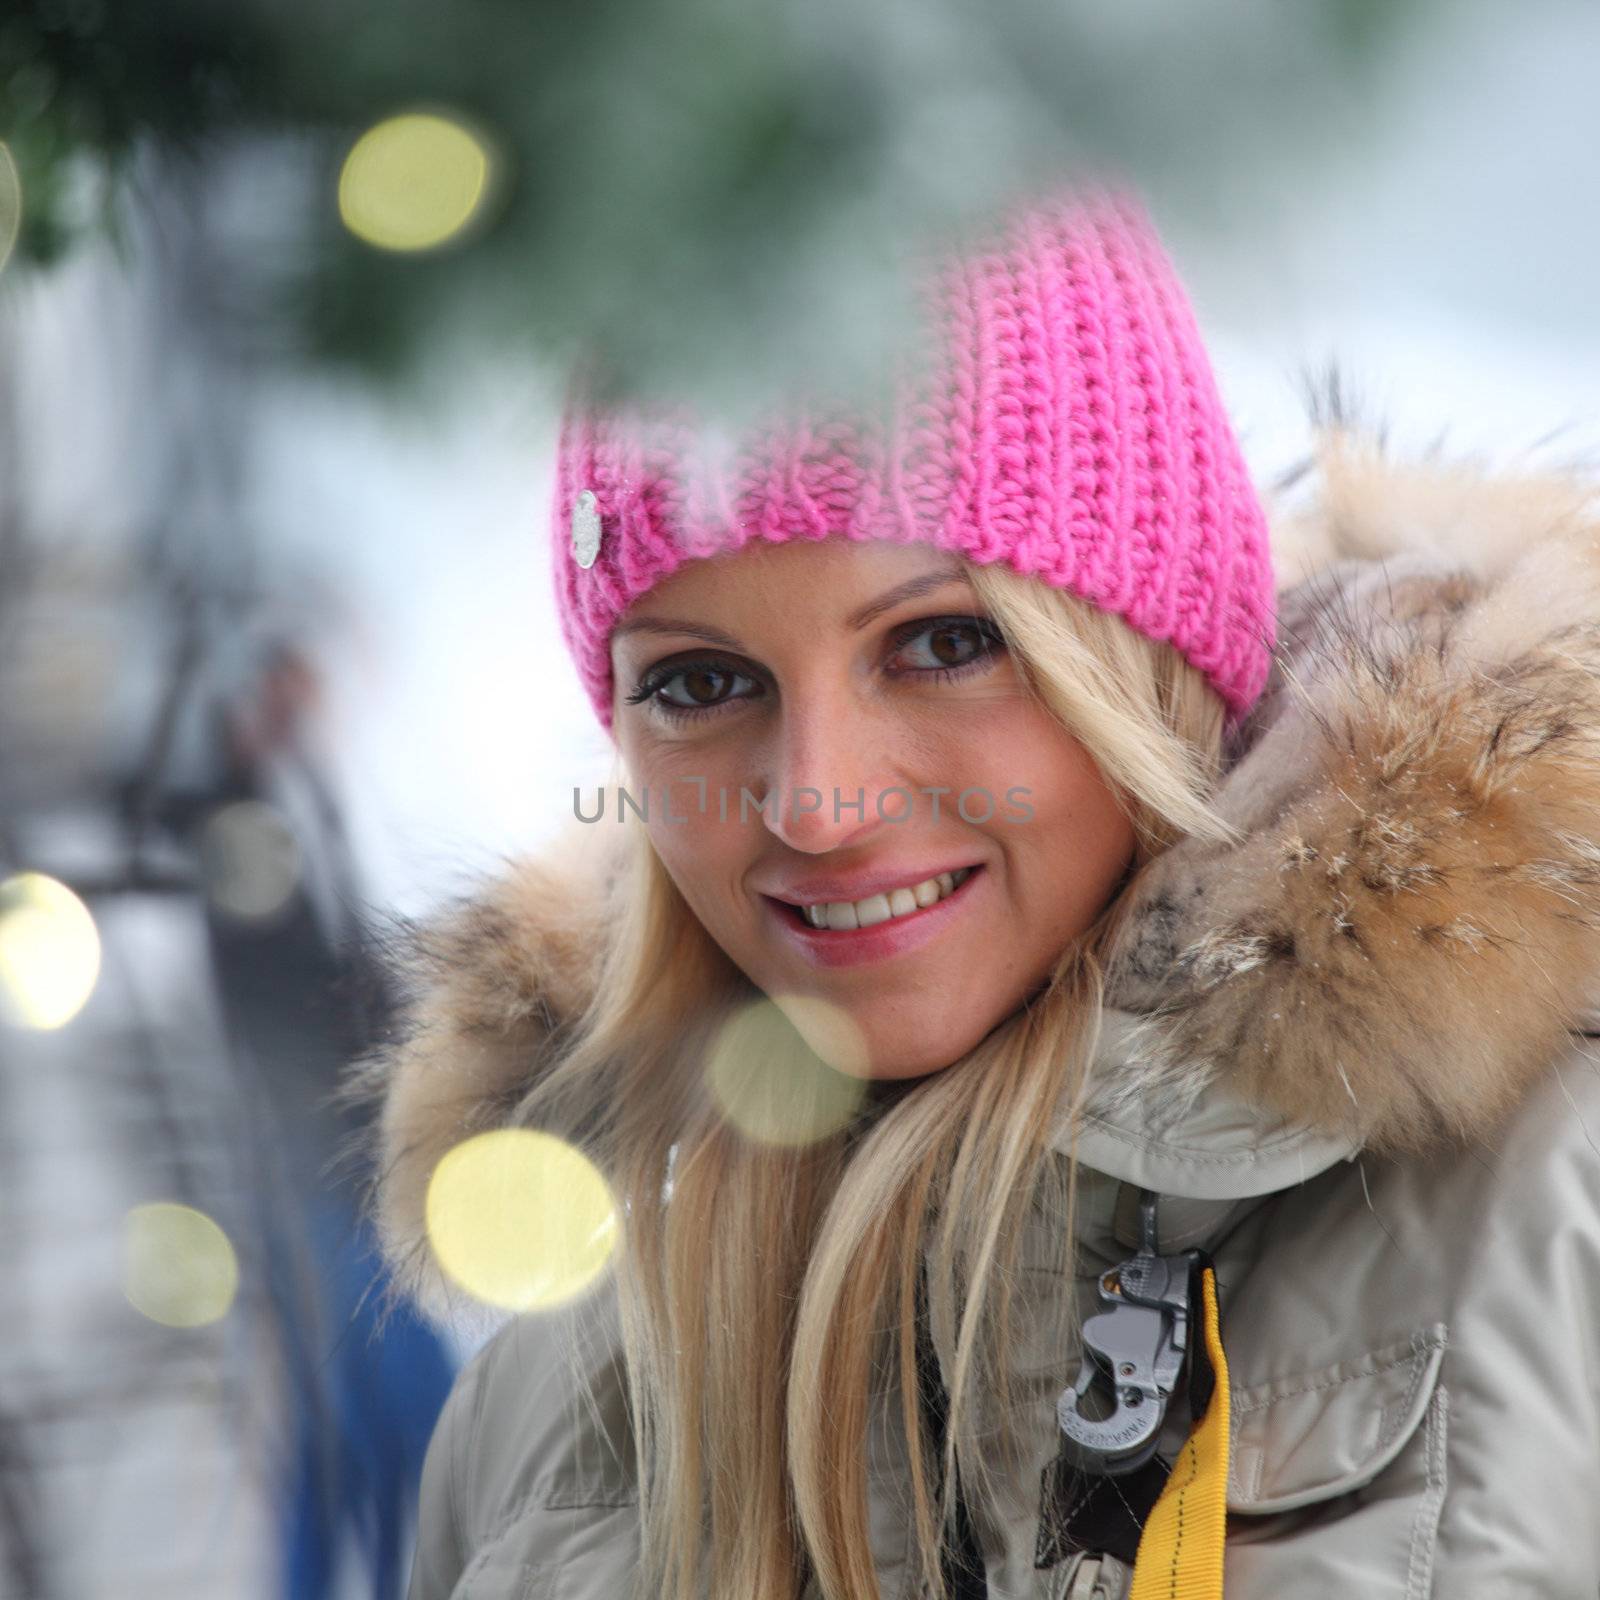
1078	837
1096	841
1026	762
692	849
704	856
704	853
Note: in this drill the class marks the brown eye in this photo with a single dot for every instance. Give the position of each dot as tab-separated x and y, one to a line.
950	645
695	688
702	686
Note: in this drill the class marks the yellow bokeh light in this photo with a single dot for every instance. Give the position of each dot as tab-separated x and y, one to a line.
788	1071
179	1268
520	1218
413	182
250	860
10	203
49	951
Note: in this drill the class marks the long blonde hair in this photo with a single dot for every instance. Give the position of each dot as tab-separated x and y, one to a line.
754	1278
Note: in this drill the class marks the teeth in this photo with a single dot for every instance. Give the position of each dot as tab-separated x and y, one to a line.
839	916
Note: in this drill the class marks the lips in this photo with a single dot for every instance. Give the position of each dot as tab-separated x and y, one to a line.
862	885
893	936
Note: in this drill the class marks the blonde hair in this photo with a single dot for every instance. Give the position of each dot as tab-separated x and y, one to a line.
754	1278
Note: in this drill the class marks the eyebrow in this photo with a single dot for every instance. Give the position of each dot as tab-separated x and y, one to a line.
923	583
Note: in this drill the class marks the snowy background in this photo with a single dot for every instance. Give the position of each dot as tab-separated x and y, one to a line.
1429	222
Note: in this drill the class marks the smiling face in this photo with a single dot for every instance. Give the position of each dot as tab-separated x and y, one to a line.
784	673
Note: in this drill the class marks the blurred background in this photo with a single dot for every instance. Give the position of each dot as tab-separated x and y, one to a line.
286	292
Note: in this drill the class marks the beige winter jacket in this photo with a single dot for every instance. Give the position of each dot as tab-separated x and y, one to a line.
1348	1054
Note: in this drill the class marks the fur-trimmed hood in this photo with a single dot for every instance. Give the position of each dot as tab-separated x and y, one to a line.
1394	951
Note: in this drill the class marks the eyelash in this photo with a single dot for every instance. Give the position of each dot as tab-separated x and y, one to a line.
657	678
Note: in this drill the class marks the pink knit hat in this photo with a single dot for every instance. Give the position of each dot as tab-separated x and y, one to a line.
1063	417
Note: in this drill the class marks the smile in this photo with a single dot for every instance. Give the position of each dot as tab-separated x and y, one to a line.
845	932
841	916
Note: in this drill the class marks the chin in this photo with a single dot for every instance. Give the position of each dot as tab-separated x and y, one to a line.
873	1042
895	1058
905	1071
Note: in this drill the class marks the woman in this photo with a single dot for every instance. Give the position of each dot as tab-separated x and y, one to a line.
1173	1156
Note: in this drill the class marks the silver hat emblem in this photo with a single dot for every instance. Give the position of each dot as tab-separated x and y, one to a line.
585	528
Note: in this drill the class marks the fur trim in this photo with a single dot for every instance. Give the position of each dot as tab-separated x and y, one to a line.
1397	944
482	988
1409	924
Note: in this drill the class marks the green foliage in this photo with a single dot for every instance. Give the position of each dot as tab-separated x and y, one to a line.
706	189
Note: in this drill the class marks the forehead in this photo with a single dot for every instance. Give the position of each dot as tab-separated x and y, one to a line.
818	570
835	577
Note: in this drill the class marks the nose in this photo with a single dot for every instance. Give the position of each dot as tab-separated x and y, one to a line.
832	777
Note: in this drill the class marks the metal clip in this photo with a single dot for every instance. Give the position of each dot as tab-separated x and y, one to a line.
1136	1347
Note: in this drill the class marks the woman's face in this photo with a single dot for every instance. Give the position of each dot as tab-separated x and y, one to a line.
861	693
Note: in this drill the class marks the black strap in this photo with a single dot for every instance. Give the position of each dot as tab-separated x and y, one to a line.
963	1567
1081	1510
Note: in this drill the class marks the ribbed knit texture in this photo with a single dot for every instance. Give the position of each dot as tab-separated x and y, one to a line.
1060	414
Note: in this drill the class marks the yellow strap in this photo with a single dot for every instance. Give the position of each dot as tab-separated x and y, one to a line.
1180	1550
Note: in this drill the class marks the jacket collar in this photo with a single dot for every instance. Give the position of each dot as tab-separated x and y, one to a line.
1221	1148
1397	945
